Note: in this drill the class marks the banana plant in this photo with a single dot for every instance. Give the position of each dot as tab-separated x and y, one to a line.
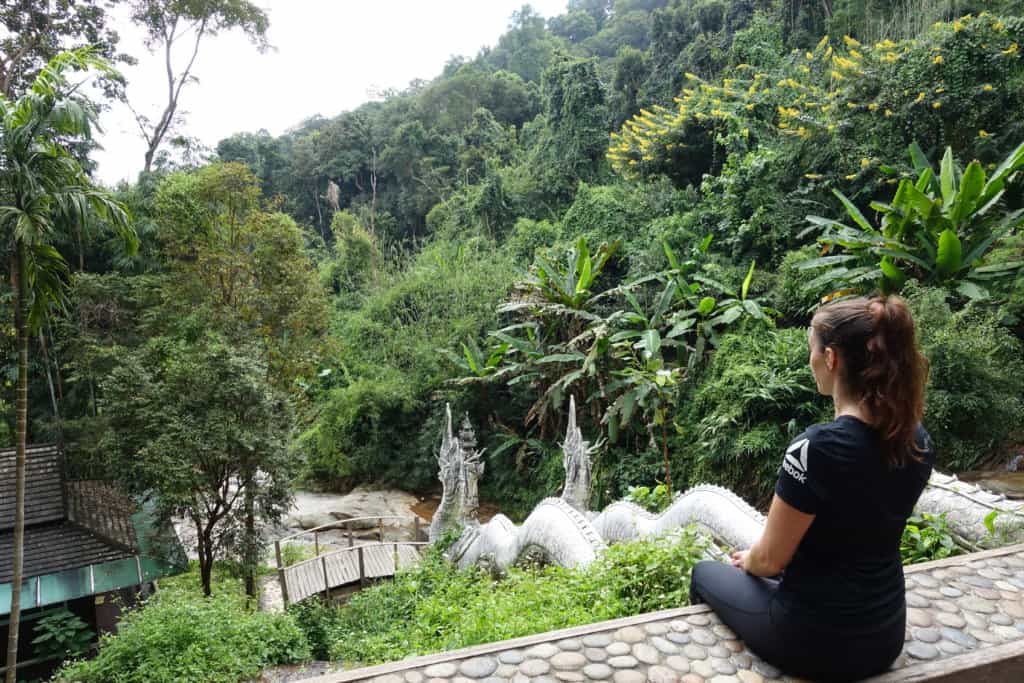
476	365
937	228
567	284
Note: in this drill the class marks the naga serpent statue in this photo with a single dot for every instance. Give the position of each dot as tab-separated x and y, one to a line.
566	534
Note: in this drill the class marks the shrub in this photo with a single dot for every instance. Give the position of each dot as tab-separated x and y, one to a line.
755	397
177	635
975	400
927	538
433	607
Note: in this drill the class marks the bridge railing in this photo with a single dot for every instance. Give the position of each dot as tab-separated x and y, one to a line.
351	564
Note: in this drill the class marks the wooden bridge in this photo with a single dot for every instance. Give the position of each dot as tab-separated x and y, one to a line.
334	568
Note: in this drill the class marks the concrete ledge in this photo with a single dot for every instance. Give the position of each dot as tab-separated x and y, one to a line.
965	622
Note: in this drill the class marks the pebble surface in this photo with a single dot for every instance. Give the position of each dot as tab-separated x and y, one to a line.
950	611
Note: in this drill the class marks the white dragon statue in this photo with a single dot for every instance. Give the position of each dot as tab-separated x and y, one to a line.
565	533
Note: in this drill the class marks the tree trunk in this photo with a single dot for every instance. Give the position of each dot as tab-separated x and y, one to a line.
205	561
250	547
21	325
664	452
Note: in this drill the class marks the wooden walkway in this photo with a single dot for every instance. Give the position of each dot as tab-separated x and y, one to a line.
344	567
356	564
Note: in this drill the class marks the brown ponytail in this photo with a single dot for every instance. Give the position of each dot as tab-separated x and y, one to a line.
883	366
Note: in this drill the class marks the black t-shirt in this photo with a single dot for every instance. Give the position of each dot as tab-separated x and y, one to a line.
847	569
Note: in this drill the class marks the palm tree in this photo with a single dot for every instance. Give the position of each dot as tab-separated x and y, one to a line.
43	190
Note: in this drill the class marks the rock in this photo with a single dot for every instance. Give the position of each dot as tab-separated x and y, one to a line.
622	662
478	667
597	640
568	660
542	651
595	654
950	620
441	670
570	645
702	636
658	628
922	650
413	677
680	664
511	657
926	635
664	646
629	676
534	667
662	674
618	649
597	671
629	634
646	653
389	678
695	652
571	676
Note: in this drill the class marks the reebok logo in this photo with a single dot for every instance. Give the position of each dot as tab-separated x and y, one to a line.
796	466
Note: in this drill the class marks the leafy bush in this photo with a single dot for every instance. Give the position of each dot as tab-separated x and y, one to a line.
654	499
433	607
925	538
975	400
61	634
755	397
177	635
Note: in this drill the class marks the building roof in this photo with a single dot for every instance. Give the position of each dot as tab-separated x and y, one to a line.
81	537
56	547
44	493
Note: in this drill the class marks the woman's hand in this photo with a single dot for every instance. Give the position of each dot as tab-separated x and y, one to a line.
739	559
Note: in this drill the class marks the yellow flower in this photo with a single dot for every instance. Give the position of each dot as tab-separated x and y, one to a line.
936	105
873	106
783	125
998	26
822	43
836	75
805	69
865	162
745	132
888	113
987	87
920	98
803	132
940	90
856	55
809	55
850	42
958	26
692	77
851	105
851	176
812	176
938	59
983	134
1012	50
885	45
749	107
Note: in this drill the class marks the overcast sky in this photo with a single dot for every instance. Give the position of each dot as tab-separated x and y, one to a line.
329	54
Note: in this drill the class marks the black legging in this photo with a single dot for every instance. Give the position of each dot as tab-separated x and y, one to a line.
747	604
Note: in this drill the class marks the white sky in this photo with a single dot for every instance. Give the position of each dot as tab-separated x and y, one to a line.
329	55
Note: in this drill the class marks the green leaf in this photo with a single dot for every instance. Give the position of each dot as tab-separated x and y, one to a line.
854	212
972	291
825	261
971	185
673	262
650	343
948	260
947	177
706	305
990	522
918	158
746	281
892	273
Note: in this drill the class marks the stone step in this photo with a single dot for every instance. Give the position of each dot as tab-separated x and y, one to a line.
965	621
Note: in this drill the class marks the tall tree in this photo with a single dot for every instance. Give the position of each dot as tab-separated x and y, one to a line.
43	190
171	22
35	31
195	424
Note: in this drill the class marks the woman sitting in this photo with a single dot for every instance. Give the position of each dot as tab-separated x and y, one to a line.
844	493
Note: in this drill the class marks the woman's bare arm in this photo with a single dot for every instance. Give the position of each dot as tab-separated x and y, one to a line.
782	534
